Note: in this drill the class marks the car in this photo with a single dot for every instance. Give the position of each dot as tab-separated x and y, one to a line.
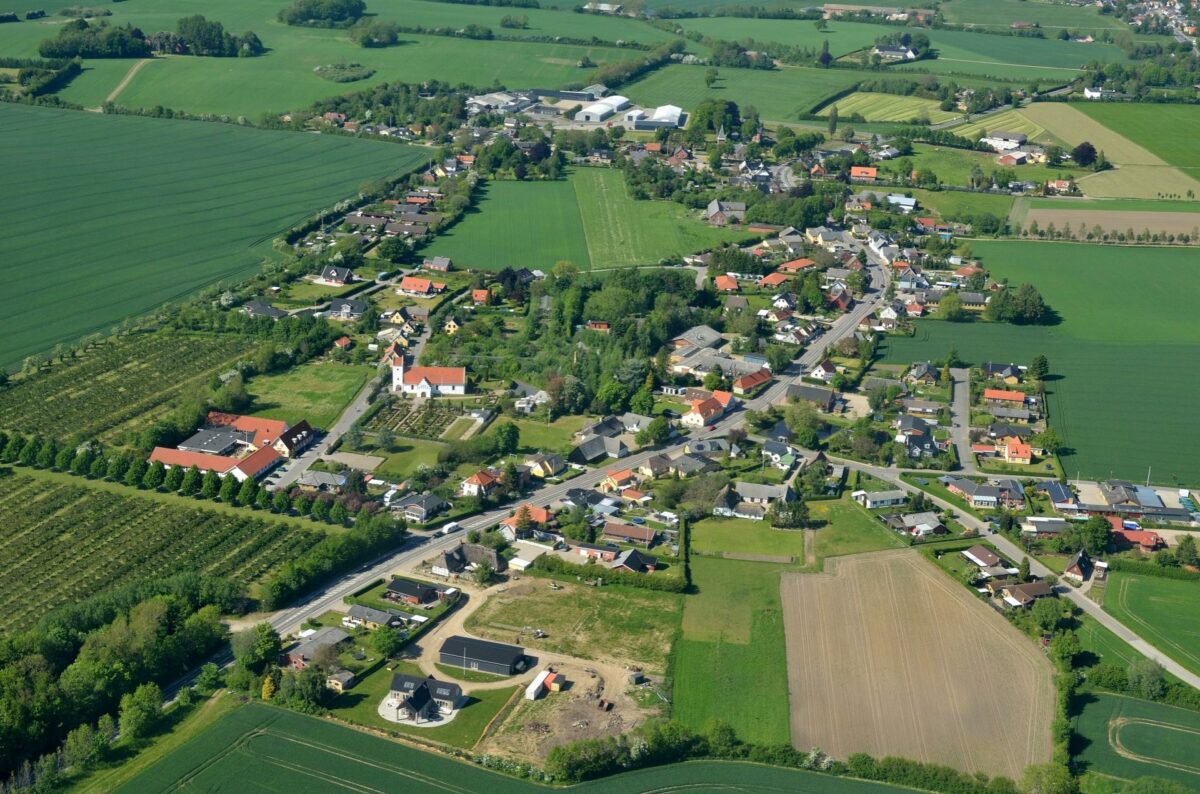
450	528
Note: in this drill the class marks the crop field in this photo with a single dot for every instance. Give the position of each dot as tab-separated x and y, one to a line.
1161	610
1142	181
888	107
733	641
843	37
317	391
1009	120
1000	14
258	748
621	624
61	542
778	95
1172	132
133	239
99	78
115	382
1129	738
1065	216
1139	327
588	219
888	656
981	50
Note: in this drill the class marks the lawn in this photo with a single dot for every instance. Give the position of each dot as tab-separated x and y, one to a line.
1160	610
713	535
954	166
778	95
258	748
887	107
549	436
588	219
318	392
1110	323
134	240
406	456
1099	644
1172	132
733	641
849	529
623	624
952	204
1129	738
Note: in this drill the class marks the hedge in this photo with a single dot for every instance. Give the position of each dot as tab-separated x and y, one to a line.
1126	565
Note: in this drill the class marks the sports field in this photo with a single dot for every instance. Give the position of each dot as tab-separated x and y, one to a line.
888	107
778	95
1161	610
588	219
1116	354
888	656
116	215
1129	738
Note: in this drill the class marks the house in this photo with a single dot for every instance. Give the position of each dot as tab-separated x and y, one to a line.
438	264
599	326
1014	450
420	508
823	399
748	384
1138	538
778	454
302	655
1004	397
481	483
982	556
1009	373
418	700
467	556
891	53
1058	186
699	336
1078	568
346	309
726	284
340	680
713	448
359	616
986	497
824	371
736	304
689	464
917	437
1059	494
535	518
639	534
1003	140
723	213
634	561
427	382
593	448
343	343
257	308
603	552
419	287
335	276
655	466
451	325
295	439
544	466
919	525
469	653
618	480
863	173
311	481
703	412
481	297
1044	526
774	280
1023	595
797	265
750	500
406	591
922	372
874	500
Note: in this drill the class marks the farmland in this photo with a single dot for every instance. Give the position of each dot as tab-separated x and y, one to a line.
778	95
621	624
1066	215
1128	738
954	166
954	203
843	37
1010	120
317	392
1000	14
733	641
1172	132
266	749
134	240
588	219
1160	610
887	107
117	383
887	656
1089	286
65	541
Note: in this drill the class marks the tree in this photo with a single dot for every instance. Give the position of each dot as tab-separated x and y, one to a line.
642	402
1146	678
229	488
209	679
81	750
1048	440
1048	779
386	642
658	431
483	574
268	687
1185	552
1046	613
262	499
710	77
1023	569
154	476
788	515
1039	367
136	473
320	509
950	308
256	647
281	502
191	481
833	120
140	711
173	479
385	438
1084	154
211	485
1094	535
1064	647
247	493
508	438
338	514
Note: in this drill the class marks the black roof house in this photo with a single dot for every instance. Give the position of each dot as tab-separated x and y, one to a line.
492	657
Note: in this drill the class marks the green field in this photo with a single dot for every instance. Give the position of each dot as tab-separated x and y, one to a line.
317	391
1115	355
134	239
849	529
259	748
1102	645
779	95
549	436
1113	205
954	166
1129	738
1160	610
1000	14
843	37
407	455
99	78
957	203
733	640
1170	131
1008	120
714	535
888	107
588	219
1012	57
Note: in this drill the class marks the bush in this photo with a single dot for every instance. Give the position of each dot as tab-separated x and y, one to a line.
344	73
323	13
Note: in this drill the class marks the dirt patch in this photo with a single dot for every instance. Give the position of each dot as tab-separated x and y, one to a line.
887	655
534	727
783	560
1119	221
367	463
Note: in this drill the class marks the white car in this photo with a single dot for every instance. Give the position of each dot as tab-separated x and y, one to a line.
452	527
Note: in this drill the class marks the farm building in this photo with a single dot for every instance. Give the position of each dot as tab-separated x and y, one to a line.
602	109
489	657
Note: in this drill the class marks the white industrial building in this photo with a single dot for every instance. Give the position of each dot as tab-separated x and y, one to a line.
668	116
603	108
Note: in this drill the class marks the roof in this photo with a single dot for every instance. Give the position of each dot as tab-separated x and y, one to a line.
1056	491
863	170
322	479
699	336
482	650
753	380
410	588
1004	394
707	409
633	531
483	477
436	376
537	515
320	639
362	612
796	265
812	394
297	435
439	690
415	284
258	462
177	457
726	283
983	555
773	279
634	560
266	431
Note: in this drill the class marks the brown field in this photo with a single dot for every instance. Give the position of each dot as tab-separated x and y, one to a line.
1074	127
887	655
1119	221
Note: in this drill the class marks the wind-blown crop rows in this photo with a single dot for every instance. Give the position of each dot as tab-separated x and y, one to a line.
61	542
116	381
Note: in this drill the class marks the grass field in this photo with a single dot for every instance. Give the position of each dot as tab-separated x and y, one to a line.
134	240
713	535
620	624
549	436
843	37
258	748
952	204
888	107
63	540
733	641
888	656
1101	645
407	455
317	391
778	95
1160	610
954	166
1000	14
1172	132
1111	323
849	529
588	219
99	78
1129	738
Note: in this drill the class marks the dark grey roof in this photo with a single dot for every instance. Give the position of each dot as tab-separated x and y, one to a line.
371	614
297	435
482	650
408	587
215	441
440	690
634	560
257	308
334	273
1056	491
1003	429
430	503
813	394
347	306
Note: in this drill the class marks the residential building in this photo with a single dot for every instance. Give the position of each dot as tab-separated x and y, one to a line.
420	508
302	654
750	500
874	500
639	534
419	700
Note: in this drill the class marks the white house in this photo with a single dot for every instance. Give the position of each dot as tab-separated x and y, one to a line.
427	381
873	500
823	371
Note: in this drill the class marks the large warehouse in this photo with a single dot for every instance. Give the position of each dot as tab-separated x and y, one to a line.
490	657
603	108
668	116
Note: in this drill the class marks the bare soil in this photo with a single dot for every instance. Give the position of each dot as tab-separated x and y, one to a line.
889	656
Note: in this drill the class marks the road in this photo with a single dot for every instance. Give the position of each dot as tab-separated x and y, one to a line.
960	418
